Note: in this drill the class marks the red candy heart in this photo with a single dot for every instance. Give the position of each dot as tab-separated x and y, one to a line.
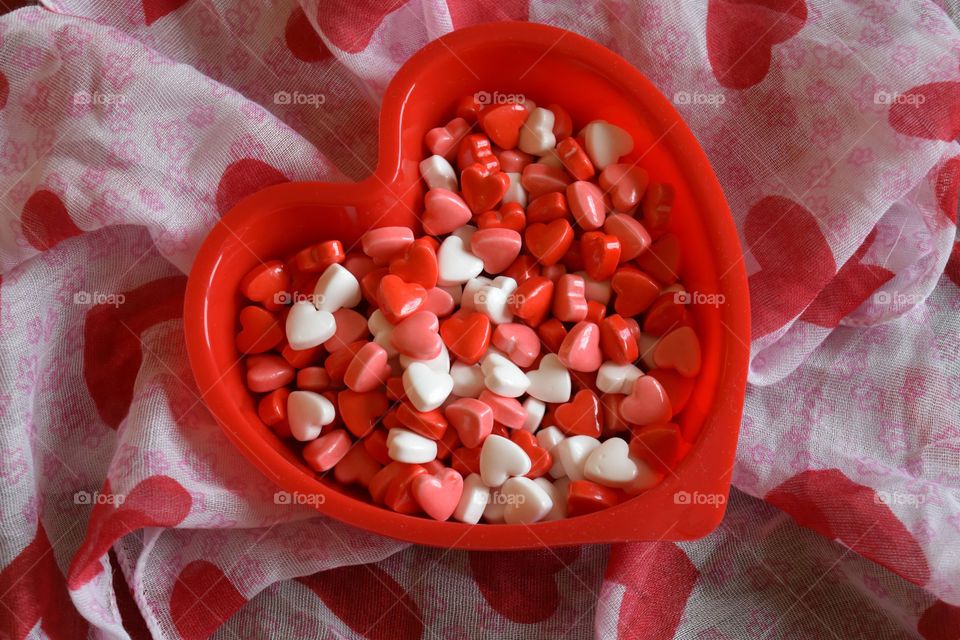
361	411
575	160
533	299
475	149
498	248
548	207
600	253
665	314
617	340
587	205
635	291
259	331
351	326
316	258
657	208
525	266
585	497
467	338
502	123
510	216
679	350
659	445
356	467
399	299
418	265
548	242
583	416
439	302
267	283
429	424
482	191
662	259
678	388
266	372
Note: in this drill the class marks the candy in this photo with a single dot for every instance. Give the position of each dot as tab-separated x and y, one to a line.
367	338
407	446
500	459
308	412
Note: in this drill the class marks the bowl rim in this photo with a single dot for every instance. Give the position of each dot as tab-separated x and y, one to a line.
608	525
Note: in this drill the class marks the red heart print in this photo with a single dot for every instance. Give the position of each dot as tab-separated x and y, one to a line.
303	40
202	599
45	220
520	585
467	338
350	24
782	234
929	111
242	178
153	10
741	34
583	416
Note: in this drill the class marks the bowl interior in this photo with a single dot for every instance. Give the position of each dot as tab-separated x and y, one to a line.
548	66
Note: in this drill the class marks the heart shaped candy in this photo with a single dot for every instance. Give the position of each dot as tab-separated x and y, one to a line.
500	459
399	299
626	184
536	134
407	446
259	330
472	419
580	349
327	450
438	173
646	403
308	412
427	389
550	382
386	243
368	369
456	264
336	288
417	336
266	282
360	412
502	377
526	501
518	341
468	337
573	452
549	242
473	500
582	416
606	143
439	494
307	326
502	123
444	211
497	247
417	265
587	205
610	464
679	350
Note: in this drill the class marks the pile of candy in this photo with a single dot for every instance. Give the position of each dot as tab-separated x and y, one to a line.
488	368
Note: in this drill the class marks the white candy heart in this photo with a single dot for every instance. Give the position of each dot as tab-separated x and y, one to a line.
467	380
527	501
558	493
407	446
573	453
307	327
308	413
496	505
515	192
610	464
535	412
382	330
598	290
470	290
493	300
473	500
548	439
617	378
605	143
439	363
501	458
336	288
551	381
439	174
536	134
503	377
427	389
465	233
455	263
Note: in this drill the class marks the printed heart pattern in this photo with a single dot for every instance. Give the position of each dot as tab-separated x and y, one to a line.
740	36
242	178
202	599
929	111
833	505
782	234
45	220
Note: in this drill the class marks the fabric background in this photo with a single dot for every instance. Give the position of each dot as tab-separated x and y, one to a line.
845	517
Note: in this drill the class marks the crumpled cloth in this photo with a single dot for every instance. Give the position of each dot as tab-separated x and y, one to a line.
127	128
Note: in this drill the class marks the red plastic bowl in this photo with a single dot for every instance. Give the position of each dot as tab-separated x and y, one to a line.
548	65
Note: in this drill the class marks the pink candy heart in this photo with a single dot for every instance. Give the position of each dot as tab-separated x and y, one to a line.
518	341
497	247
647	403
580	350
266	372
439	494
444	211
368	369
386	243
472	419
417	336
